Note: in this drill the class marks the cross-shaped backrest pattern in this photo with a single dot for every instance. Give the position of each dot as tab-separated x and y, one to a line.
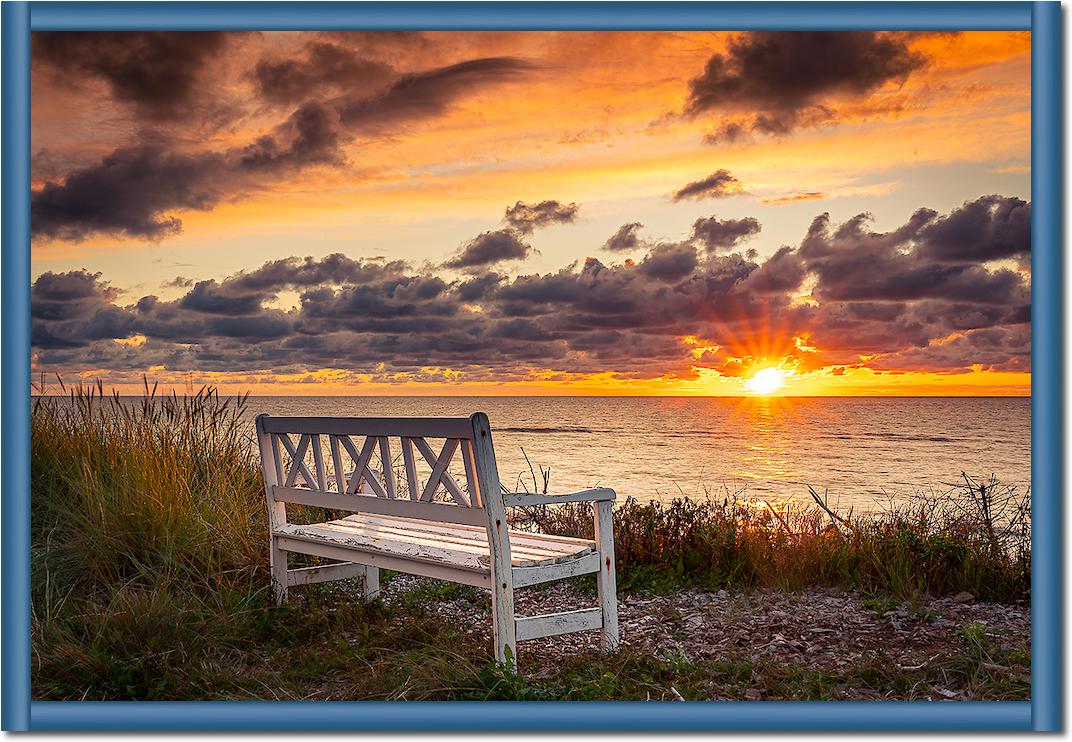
328	461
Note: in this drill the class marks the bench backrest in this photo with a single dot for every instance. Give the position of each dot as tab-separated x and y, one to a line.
349	463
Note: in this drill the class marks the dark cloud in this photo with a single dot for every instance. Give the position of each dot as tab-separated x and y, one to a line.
781	273
526	218
325	66
625	238
427	94
207	297
335	269
989	228
310	136
789	79
59	296
723	234
489	248
853	263
131	192
669	263
135	191
881	300
718	184
155	71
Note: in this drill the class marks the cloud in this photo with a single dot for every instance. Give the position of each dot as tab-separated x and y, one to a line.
206	297
426	94
625	238
334	269
989	228
60	296
786	80
526	218
880	300
794	198
669	262
489	248
325	66
131	192
715	234
154	71
719	184
128	194
781	273
136	190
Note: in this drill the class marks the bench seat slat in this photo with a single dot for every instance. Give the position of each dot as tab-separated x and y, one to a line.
530	542
466	548
529	549
421	539
515	535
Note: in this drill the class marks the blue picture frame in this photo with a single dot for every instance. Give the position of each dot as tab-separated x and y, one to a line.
1043	713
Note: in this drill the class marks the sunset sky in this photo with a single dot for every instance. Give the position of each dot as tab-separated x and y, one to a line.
533	212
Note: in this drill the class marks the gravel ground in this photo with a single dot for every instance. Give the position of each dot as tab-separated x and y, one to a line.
821	628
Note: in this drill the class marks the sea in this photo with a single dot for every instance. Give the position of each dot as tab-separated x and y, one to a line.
862	452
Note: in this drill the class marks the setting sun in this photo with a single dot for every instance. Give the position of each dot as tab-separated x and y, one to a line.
766	381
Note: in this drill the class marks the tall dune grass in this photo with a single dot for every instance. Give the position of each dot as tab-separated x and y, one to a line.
973	536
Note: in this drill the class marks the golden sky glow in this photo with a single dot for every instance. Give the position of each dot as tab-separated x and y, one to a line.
386	147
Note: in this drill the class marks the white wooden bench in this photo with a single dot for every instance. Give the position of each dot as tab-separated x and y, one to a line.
430	525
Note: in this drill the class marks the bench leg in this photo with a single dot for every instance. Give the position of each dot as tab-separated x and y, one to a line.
371	589
606	582
278	559
504	629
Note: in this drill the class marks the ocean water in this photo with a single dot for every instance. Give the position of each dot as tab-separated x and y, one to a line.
864	450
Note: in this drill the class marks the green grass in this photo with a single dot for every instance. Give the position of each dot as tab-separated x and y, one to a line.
150	581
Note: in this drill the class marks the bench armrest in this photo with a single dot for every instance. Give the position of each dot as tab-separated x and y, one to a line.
524	499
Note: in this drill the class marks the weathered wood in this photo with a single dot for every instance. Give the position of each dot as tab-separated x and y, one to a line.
433	461
336	461
370	587
411	469
526	499
528	542
583	565
606	582
325	573
439	468
404	549
502	591
369	504
432	427
277	457
470	472
553	624
362	460
531	552
277	511
388	467
385	561
318	462
297	464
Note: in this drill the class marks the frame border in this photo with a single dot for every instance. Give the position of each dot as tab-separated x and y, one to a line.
1043	713
1047	369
